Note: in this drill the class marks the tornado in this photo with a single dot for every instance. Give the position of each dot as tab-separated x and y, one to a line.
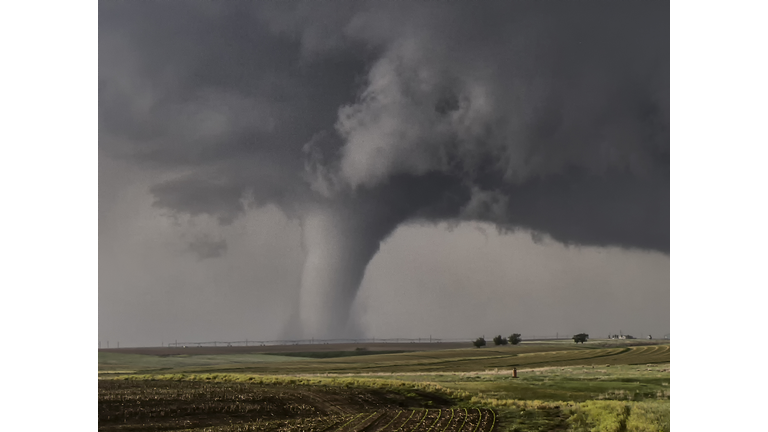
341	236
338	248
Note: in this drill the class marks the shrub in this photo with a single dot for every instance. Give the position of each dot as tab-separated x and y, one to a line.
599	416
649	417
498	340
614	416
479	342
581	337
515	338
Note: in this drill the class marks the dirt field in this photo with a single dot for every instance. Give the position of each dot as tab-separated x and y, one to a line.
229	406
209	350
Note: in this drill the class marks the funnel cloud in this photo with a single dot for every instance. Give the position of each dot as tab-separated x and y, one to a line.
358	118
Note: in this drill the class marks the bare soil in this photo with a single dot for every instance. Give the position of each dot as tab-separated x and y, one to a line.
156	405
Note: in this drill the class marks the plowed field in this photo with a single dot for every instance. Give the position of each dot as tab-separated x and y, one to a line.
241	406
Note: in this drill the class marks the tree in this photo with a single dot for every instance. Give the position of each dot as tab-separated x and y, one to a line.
498	340
515	338
581	337
480	342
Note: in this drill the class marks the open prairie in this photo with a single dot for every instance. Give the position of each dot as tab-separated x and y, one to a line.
600	385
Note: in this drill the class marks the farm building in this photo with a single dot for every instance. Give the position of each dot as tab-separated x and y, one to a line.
621	336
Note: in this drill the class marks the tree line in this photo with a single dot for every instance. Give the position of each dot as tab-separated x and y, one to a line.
515	338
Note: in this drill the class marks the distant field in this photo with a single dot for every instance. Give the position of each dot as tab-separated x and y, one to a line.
121	362
316	348
452	360
210	350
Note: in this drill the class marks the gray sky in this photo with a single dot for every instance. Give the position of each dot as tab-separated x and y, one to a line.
269	168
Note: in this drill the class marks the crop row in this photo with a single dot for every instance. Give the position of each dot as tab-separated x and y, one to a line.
427	420
616	356
172	405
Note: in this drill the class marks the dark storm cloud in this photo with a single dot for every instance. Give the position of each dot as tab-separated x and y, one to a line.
554	117
210	87
560	110
548	116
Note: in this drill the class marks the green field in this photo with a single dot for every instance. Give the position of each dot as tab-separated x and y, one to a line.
526	355
597	386
110	362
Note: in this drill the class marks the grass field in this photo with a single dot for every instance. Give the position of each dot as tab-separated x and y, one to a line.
110	362
527	355
572	383
598	386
